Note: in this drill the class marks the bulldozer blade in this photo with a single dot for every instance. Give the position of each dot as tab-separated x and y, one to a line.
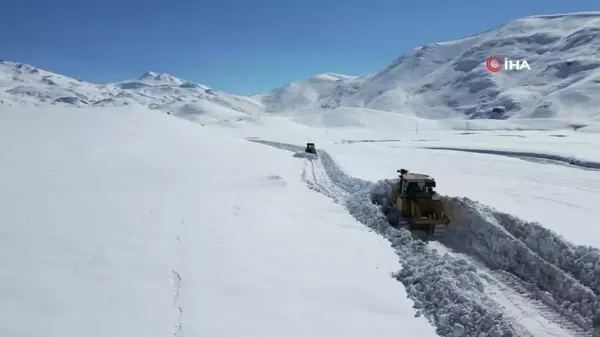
440	231
402	223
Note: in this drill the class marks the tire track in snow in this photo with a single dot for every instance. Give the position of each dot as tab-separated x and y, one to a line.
316	178
528	306
519	302
538	157
176	284
476	287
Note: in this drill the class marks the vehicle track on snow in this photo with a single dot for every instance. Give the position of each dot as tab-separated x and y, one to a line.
531	156
490	277
316	178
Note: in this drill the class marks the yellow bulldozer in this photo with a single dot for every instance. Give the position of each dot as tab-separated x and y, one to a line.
421	209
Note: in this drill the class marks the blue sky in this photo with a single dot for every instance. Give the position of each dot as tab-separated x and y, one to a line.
241	46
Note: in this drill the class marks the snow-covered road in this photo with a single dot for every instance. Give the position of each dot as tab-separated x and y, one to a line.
496	280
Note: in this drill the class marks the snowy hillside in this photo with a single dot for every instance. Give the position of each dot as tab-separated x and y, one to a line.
27	85
450	79
309	92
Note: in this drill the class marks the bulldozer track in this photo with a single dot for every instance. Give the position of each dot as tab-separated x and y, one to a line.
508	283
516	299
316	178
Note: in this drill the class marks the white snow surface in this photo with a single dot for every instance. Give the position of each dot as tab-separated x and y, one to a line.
121	217
124	221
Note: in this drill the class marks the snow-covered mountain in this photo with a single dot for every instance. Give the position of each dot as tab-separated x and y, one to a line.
22	84
302	94
28	85
450	78
437	81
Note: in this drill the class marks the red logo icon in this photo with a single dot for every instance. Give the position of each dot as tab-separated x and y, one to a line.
490	64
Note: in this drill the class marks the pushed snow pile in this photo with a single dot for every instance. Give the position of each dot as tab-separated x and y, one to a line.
129	222
564	276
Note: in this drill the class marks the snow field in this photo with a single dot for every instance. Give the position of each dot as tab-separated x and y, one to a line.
124	221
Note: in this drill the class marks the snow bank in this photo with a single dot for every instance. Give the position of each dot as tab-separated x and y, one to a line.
542	259
582	262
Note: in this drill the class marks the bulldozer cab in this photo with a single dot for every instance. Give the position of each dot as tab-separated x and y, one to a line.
414	186
310	148
415	198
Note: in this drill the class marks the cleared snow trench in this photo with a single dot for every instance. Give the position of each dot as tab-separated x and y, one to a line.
492	274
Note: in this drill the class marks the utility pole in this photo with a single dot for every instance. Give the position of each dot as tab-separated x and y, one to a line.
417	129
